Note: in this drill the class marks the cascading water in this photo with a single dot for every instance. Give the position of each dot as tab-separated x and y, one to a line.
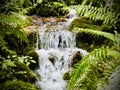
56	46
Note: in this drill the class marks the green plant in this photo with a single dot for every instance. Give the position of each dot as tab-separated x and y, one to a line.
16	85
114	80
95	33
93	68
84	22
11	32
51	9
96	3
14	5
16	67
95	13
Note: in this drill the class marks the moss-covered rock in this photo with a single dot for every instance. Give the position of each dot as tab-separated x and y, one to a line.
84	22
88	41
66	76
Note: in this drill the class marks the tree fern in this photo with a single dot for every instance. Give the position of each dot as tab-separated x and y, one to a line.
96	13
110	36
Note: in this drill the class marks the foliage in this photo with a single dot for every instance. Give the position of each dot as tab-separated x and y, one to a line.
14	19
16	67
50	9
114	80
16	85
30	51
14	5
89	39
94	13
97	33
96	71
13	66
113	5
96	65
96	3
84	22
11	33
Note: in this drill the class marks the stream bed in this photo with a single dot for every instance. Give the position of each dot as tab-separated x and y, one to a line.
56	46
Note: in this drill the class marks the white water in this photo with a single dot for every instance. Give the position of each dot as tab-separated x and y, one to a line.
55	50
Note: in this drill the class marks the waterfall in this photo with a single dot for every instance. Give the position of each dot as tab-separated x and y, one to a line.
55	48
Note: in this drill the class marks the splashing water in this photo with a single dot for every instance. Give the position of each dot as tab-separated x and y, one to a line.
55	49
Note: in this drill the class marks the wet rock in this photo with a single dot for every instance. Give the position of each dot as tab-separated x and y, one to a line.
52	60
77	56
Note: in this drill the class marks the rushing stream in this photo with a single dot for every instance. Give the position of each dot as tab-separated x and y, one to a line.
55	47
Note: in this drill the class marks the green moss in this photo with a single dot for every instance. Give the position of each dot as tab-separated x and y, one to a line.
88	41
66	76
17	85
83	22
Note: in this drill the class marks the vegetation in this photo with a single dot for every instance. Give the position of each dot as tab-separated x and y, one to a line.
97	28
15	68
17	85
96	65
97	32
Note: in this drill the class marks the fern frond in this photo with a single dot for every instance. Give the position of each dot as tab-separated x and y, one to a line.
95	13
13	19
84	65
97	33
13	24
114	80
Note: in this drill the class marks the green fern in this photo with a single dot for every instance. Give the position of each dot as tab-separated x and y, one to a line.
4	48
12	26
84	65
14	20
110	18
88	64
114	80
114	38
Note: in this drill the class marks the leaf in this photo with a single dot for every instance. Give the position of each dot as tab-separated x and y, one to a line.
96	33
28	63
4	66
33	61
96	13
